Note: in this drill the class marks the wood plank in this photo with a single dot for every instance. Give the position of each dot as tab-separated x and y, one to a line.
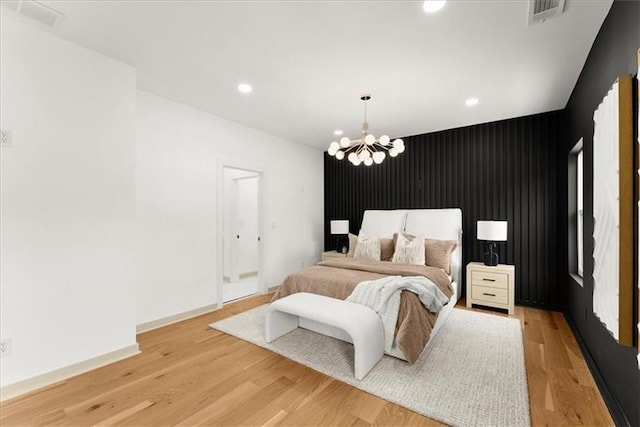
124	414
221	405
555	352
368	407
275	419
626	324
534	331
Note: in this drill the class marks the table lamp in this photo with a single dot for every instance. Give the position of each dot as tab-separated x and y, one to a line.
340	228
491	232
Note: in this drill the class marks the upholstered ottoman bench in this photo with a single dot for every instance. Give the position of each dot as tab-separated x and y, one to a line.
362	324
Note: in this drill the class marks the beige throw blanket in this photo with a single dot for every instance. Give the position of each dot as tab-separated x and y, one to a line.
339	278
383	297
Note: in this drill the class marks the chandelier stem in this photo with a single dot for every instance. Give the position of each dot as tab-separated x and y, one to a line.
365	110
365	125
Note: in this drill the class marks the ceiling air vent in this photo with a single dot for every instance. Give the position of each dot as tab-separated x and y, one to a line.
36	13
541	10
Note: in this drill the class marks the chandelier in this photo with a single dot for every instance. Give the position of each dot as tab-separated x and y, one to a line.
368	149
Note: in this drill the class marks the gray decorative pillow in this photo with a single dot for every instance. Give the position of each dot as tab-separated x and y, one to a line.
409	251
368	247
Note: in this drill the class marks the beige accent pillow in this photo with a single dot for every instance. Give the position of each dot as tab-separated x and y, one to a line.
409	251
368	247
387	248
353	241
438	253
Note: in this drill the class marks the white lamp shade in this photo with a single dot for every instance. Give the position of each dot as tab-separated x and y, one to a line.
340	226
493	231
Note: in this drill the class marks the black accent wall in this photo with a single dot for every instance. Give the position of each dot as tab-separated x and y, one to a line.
508	170
613	53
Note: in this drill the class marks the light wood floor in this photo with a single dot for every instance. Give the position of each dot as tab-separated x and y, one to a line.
188	374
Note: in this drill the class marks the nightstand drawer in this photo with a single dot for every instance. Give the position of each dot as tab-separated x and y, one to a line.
495	295
493	280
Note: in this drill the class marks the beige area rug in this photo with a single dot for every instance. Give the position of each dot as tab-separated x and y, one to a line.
471	374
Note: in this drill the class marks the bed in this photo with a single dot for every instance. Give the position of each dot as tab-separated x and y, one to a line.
338	278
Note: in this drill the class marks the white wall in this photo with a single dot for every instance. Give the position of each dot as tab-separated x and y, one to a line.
68	203
177	152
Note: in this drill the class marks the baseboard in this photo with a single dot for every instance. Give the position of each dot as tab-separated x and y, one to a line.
227	279
548	307
155	324
30	384
612	403
273	288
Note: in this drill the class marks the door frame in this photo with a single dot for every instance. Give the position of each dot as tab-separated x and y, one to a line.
262	221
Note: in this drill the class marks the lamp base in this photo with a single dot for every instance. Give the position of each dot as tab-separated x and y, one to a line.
491	257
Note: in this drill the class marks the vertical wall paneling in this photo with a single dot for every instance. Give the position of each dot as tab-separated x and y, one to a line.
501	170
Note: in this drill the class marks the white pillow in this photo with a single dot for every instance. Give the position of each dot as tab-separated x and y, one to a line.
409	251
368	247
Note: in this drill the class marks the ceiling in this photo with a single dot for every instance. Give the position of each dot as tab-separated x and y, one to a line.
308	62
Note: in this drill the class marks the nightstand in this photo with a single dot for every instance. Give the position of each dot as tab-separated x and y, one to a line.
491	286
326	256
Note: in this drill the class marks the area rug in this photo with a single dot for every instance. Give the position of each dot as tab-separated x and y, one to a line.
472	373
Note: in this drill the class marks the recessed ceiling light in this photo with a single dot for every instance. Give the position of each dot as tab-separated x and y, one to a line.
471	102
337	132
244	88
432	6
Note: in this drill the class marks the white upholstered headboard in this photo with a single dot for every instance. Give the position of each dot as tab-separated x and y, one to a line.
442	224
383	223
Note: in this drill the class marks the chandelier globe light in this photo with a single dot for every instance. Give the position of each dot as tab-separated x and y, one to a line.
367	150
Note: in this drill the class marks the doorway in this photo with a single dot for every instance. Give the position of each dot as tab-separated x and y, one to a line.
241	214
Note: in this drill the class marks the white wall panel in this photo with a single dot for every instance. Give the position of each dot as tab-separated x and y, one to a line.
606	214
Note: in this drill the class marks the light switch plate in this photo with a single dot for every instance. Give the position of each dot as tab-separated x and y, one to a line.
5	347
5	138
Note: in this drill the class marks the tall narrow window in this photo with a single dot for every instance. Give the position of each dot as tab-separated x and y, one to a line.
575	211
580	213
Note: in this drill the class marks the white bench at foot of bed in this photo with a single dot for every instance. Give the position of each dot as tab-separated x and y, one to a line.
361	323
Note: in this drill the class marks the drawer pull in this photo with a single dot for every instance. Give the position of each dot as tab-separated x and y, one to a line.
488	280
489	295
